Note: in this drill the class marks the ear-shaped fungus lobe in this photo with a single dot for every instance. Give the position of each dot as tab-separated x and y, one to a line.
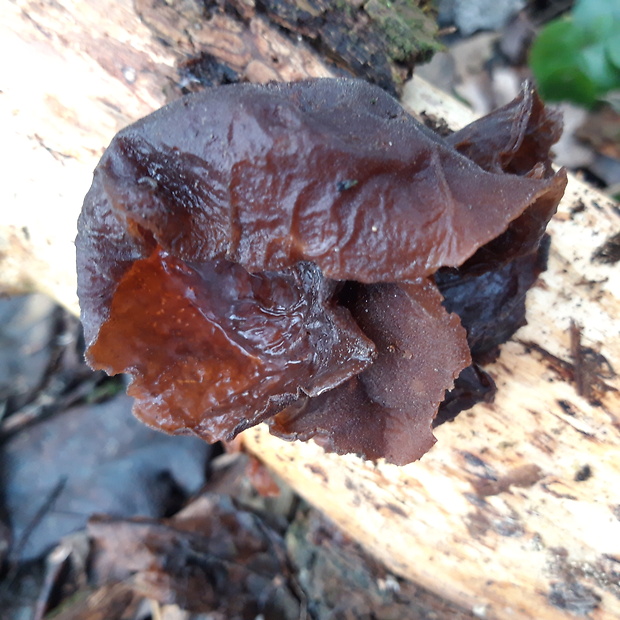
216	235
387	410
515	139
488	290
214	349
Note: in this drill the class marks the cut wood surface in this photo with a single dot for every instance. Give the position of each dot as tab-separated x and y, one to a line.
515	512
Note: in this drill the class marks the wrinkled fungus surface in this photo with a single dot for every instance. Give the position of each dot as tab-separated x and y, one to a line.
301	253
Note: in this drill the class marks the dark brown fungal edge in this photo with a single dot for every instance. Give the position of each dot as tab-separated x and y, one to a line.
269	252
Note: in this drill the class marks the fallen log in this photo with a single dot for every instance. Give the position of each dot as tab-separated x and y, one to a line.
515	513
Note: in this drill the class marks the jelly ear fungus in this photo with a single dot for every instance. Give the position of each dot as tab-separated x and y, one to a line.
301	253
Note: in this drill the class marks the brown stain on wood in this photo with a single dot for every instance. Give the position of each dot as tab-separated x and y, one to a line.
609	252
563	369
486	519
523	476
589	371
317	470
590	368
396	510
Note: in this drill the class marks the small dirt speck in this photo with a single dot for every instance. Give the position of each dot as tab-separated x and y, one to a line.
583	473
578	207
609	252
438	125
566	407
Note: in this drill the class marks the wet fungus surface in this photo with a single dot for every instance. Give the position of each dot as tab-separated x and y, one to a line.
301	254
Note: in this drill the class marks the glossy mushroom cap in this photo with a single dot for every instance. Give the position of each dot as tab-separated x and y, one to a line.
255	252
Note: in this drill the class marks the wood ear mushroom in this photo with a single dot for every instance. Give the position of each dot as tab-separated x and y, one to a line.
299	253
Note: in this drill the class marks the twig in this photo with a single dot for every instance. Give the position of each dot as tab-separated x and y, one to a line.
40	515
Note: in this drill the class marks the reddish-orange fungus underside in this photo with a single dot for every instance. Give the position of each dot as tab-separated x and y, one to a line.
299	253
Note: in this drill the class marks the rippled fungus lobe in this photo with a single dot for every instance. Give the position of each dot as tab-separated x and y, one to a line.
299	253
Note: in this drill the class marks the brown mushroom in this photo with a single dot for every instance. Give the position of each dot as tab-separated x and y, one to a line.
255	252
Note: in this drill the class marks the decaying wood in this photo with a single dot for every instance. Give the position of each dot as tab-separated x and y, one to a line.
378	41
516	511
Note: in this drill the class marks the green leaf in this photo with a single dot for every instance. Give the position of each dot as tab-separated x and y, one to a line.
594	61
573	85
555	62
578	58
551	49
612	47
601	16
